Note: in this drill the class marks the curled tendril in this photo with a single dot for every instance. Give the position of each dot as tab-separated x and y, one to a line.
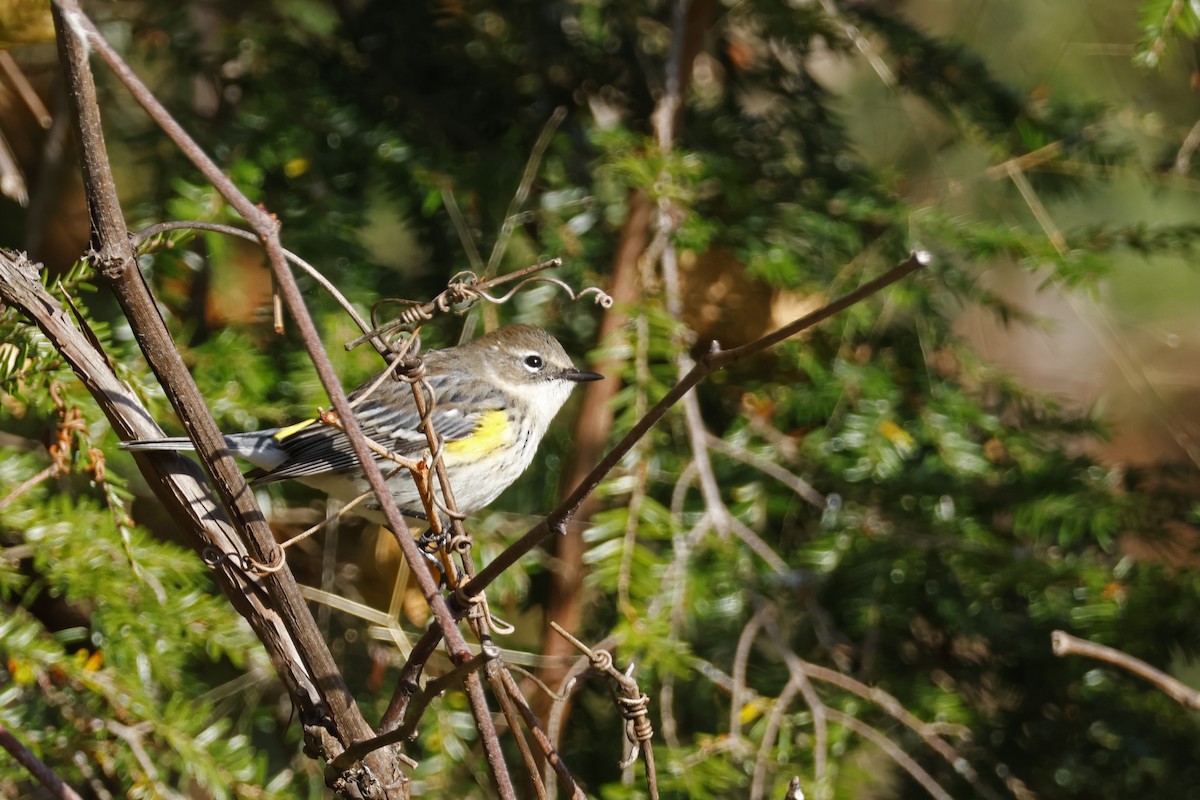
603	299
244	562
465	288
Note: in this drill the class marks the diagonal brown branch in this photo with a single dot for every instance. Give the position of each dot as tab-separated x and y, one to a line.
714	360
176	481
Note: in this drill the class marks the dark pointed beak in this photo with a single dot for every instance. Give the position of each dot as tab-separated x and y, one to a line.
580	376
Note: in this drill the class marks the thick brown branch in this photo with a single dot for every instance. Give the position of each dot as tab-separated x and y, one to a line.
177	481
267	227
117	264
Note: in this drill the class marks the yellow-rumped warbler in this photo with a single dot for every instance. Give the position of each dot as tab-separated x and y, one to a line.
494	400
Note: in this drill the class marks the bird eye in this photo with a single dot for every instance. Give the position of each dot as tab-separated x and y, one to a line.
533	361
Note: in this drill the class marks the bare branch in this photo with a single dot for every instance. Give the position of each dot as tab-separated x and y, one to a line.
24	486
820	712
36	767
549	752
769	468
673	589
893	751
408	682
741	659
861	42
1183	159
12	179
142	236
359	750
762	760
1064	644
508	707
522	194
461	226
25	90
928	732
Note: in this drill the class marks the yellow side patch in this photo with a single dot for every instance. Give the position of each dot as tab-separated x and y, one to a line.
492	432
290	429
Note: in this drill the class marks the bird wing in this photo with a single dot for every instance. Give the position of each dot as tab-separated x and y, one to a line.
389	417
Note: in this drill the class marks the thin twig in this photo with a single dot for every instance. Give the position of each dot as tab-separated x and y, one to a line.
816	705
408	683
928	732
36	767
549	752
1064	644
12	179
741	659
629	545
142	236
133	736
1183	159
1034	159
687	476
667	108
861	43
768	467
25	90
523	188
461	226
893	751
508	707
434	688
1040	213
497	766
641	469
674	587
24	486
757	544
762	759
696	430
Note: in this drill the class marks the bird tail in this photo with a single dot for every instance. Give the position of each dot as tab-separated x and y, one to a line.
165	443
259	447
